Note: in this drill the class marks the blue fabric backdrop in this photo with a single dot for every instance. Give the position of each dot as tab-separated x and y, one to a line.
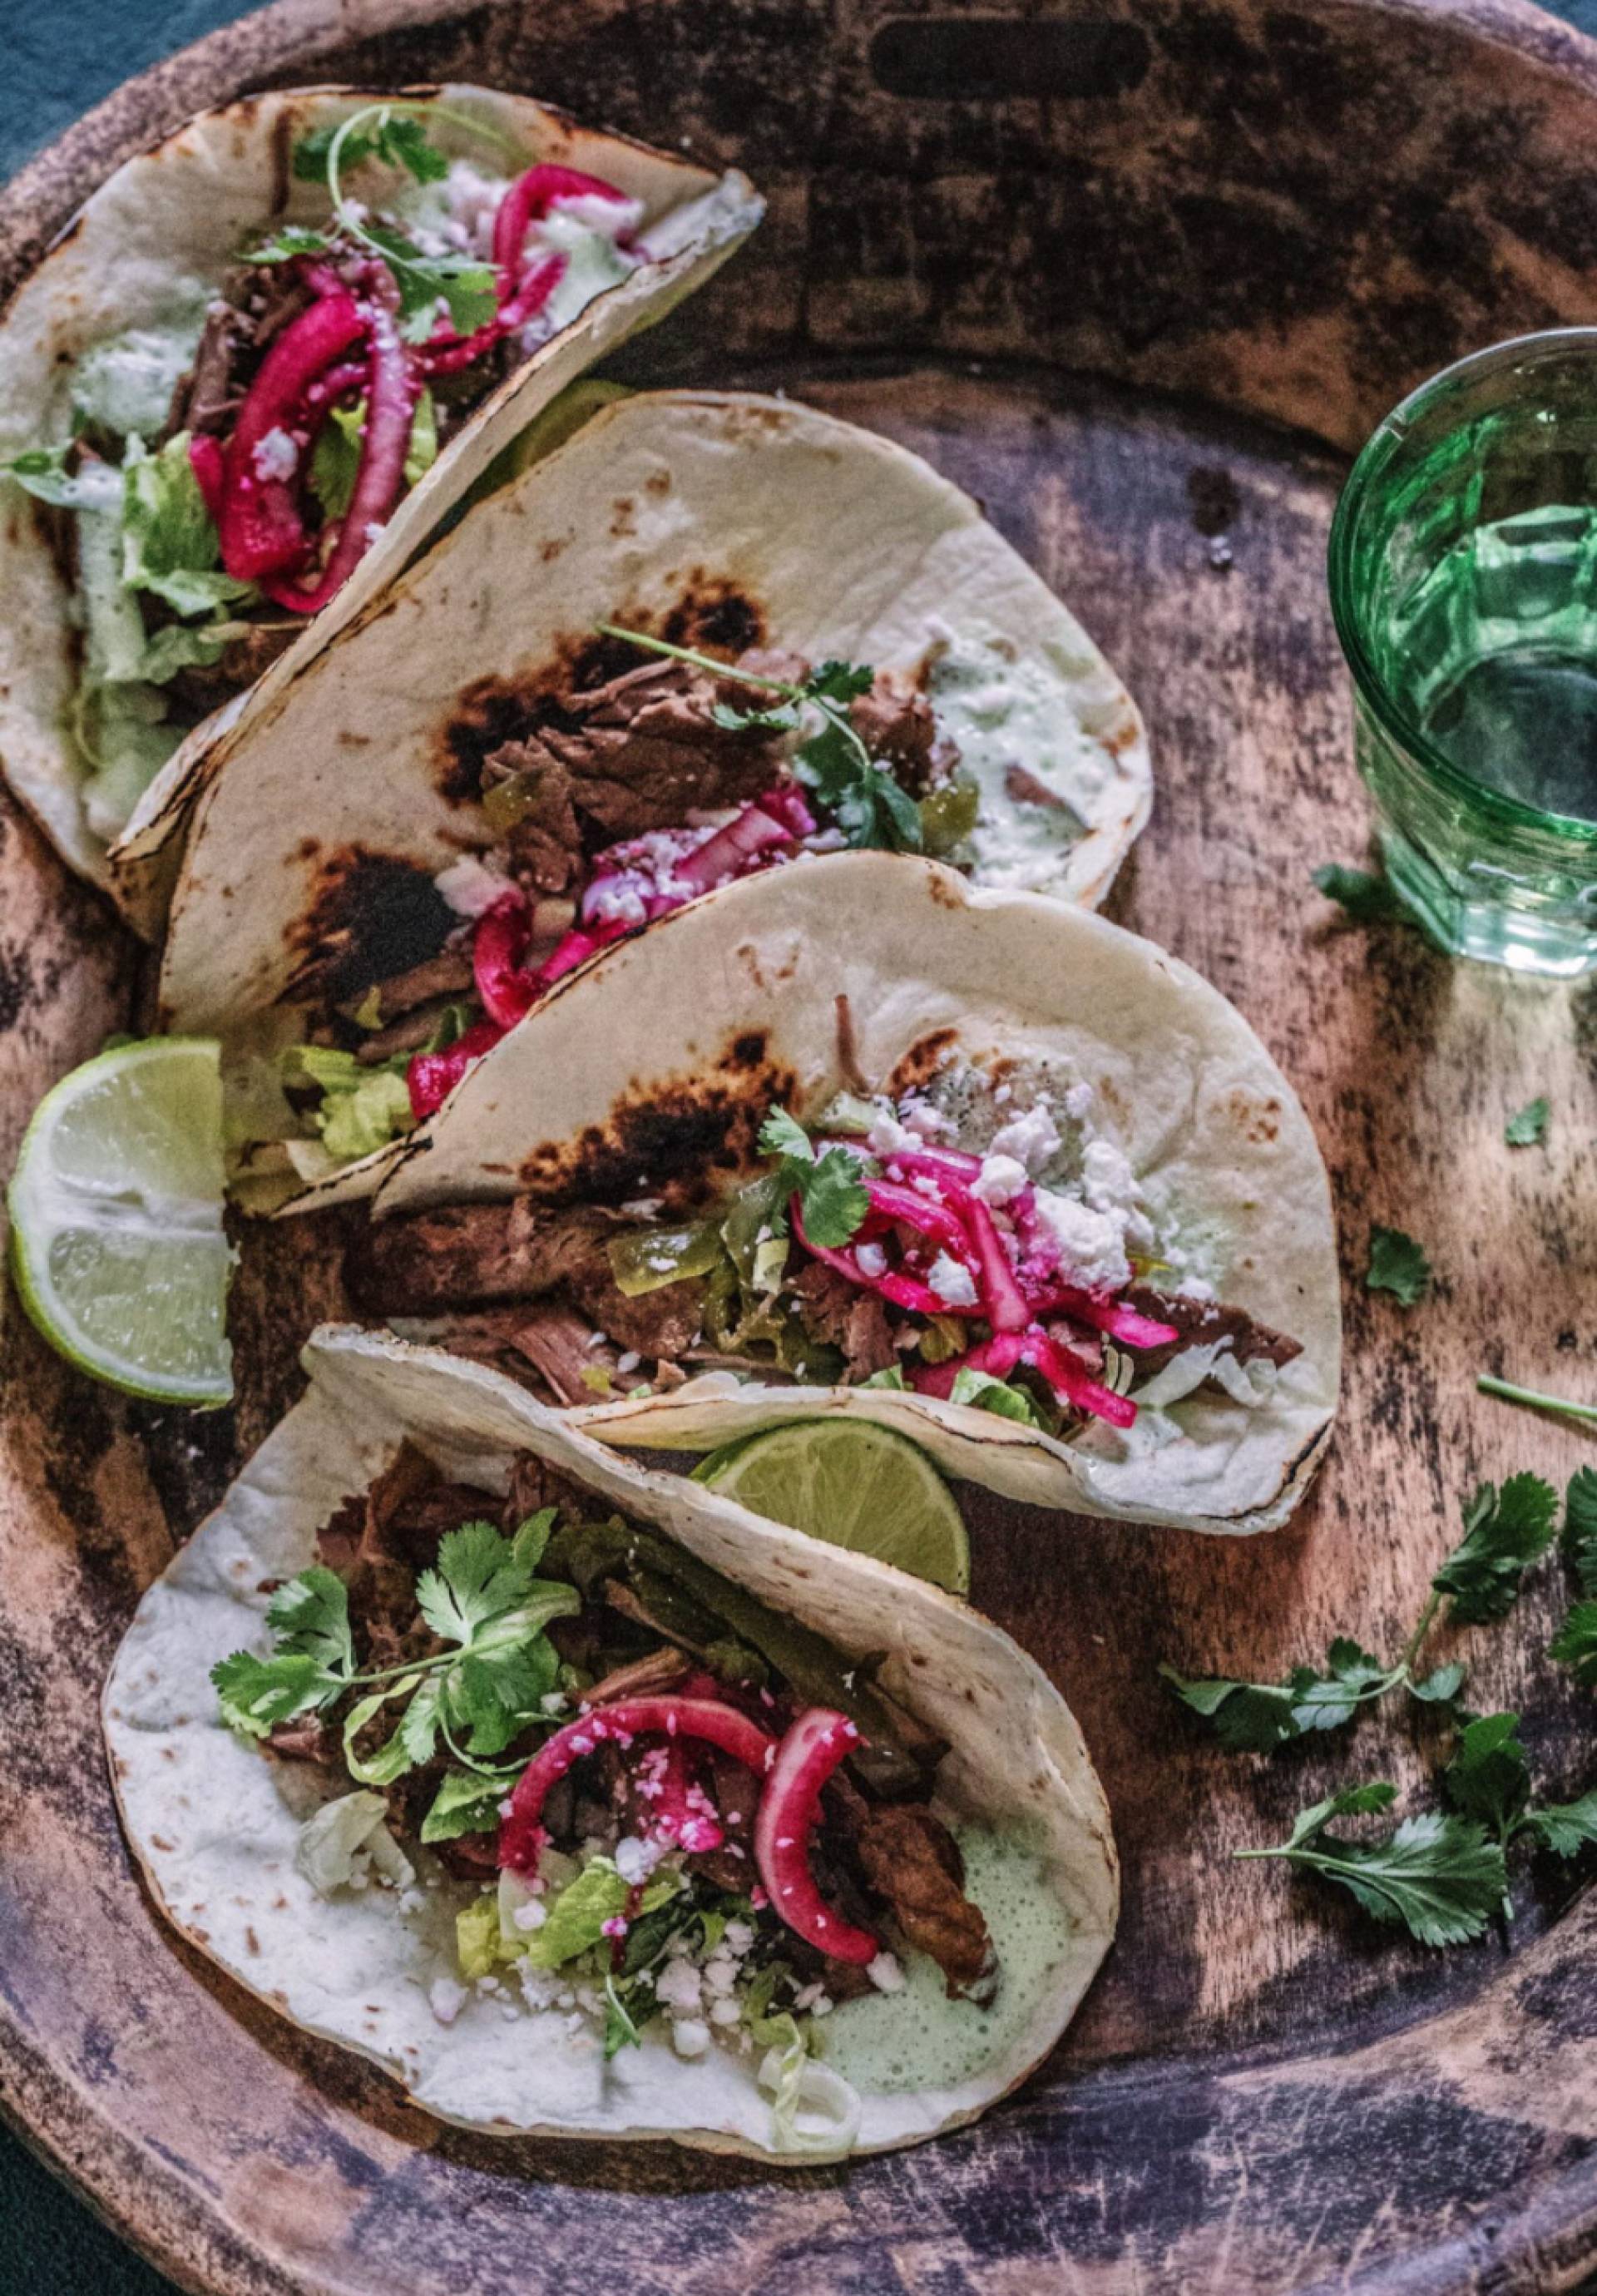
49	2245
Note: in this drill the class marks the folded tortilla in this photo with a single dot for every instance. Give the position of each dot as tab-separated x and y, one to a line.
654	1068
147	249
215	1822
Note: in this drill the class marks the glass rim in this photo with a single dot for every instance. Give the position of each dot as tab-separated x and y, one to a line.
1370	463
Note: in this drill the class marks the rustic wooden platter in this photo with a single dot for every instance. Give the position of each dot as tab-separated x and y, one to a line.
1093	263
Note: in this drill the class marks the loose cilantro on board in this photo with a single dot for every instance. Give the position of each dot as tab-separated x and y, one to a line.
1439	1876
1504	1533
1580	1528
1575	1645
1527	1129
1398	1265
1362	894
832	1201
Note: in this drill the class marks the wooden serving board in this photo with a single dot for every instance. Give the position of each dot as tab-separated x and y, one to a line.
1091	265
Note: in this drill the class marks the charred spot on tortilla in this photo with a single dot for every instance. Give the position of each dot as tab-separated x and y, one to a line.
714	616
486	716
679	1139
925	1059
372	915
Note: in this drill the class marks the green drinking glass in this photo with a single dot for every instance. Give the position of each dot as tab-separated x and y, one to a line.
1463	584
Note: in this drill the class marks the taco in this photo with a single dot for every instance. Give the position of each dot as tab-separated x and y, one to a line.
257	368
587	1804
858	1138
486	781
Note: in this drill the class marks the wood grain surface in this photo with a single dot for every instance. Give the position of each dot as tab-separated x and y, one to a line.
1269	209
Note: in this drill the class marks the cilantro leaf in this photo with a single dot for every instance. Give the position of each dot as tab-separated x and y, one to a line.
1504	1533
1397	1264
1489	1778
840	681
1258	1716
1364	896
464	1803
1575	1644
381	133
832	1200
1565	1828
1580	1527
310	1615
1249	1716
310	1666
478	1579
782	1135
1439	1876
256	1692
620	2027
862	798
1441	1686
1528	1127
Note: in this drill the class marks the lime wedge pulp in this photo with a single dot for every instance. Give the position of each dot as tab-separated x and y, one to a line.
118	1245
854	1484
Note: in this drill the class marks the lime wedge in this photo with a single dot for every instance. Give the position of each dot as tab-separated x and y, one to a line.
854	1484
115	1209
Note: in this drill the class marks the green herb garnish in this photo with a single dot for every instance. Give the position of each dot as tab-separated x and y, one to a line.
394	133
1438	1876
1398	1265
832	1201
1528	1127
1504	1532
483	1598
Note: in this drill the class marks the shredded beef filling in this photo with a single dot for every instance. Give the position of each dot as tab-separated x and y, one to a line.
469	1255
841	1316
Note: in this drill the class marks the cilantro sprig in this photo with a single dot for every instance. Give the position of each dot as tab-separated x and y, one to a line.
833	761
832	1201
483	1601
1438	1875
394	133
1505	1531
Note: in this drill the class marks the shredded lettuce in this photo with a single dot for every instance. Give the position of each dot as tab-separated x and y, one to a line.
477	1943
985	1393
353	1825
574	1919
812	2110
169	543
362	1109
893	1377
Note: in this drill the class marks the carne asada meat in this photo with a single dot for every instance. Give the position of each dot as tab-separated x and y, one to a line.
466	1254
838	1313
893	720
913	1861
1199	1324
640	753
549	1348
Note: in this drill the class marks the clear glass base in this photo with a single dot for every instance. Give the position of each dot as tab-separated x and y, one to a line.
1491	930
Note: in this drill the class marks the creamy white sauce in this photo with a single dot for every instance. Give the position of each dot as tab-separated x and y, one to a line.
1005	712
916	2038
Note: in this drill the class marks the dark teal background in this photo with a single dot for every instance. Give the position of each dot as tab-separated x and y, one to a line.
56	63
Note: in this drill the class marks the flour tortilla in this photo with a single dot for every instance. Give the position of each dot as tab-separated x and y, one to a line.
736	997
836	542
149	246
213	1822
